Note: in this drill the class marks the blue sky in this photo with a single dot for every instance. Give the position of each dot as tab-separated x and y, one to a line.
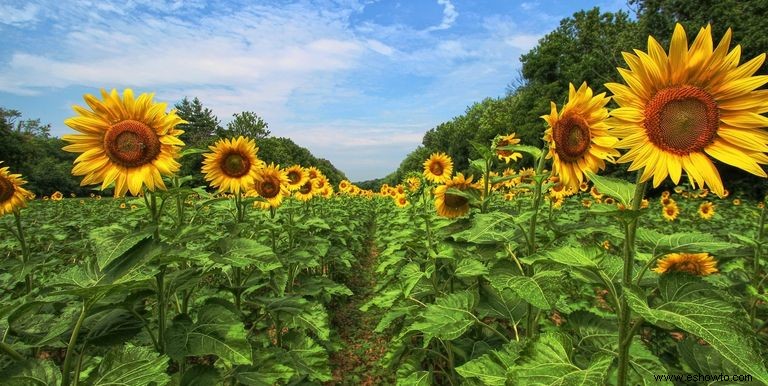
357	82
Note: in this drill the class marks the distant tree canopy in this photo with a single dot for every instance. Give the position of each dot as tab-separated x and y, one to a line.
28	149
585	47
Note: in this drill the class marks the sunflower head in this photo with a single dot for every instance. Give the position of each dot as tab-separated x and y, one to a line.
698	264
131	142
345	186
307	191
232	165
297	176
667	201
736	202
681	107
57	196
12	196
453	205
706	210
578	136
413	183
271	184
314	172
503	154
401	201
438	168
670	212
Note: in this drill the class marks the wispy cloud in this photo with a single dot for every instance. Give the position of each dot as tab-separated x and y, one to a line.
449	15
19	16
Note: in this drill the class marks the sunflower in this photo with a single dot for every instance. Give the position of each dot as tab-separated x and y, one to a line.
699	264
327	191
307	191
583	186
736	202
667	201
12	196
578	136
232	165
609	201
271	184
706	210
297	176
560	191
438	168
586	203
131	142
57	196
644	203
665	194
677	108
507	155
679	189
401	201
345	186
452	205
413	184
314	172
670	212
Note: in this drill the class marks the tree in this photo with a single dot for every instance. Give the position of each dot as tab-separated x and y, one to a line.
247	124
202	123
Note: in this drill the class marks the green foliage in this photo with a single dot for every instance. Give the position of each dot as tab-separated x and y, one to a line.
246	124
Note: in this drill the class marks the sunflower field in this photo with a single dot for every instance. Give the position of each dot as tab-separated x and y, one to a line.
270	275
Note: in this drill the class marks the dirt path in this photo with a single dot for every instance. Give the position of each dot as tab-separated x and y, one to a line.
357	362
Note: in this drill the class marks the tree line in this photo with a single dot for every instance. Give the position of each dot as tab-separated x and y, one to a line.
586	46
27	147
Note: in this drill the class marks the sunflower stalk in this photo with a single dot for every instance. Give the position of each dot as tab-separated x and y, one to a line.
531	237
756	265
626	331
65	376
8	350
24	252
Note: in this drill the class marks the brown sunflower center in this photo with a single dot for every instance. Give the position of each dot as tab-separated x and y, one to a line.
294	176
503	153
436	168
306	188
682	120
572	137
269	189
131	143
693	267
6	189
455	202
234	165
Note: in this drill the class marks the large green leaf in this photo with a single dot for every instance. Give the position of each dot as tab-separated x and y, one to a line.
244	252
448	318
490	228
218	331
307	358
698	308
584	257
112	326
130	365
531	289
410	275
619	189
549	364
132	259
315	318
469	267
682	242
416	378
31	373
492	368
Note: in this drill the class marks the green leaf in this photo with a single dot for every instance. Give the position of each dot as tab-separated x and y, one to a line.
527	288
448	318
410	275
31	373
698	308
492	368
307	358
745	240
198	375
417	378
315	319
549	364
491	228
244	252
469	267
112	326
132	259
682	242
584	257
218	331
131	365
619	189
533	151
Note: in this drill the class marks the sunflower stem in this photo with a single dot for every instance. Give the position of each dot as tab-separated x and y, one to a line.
8	350
625	314
530	330
24	252
486	185
161	308
756	265
65	376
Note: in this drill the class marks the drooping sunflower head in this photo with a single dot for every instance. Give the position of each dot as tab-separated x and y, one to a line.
232	165
453	205
438	168
131	142
706	210
670	212
271	184
698	264
680	107
12	196
503	154
413	183
578	136
297	176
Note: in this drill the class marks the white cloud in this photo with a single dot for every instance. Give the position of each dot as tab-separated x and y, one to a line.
529	5
523	41
380	47
449	15
19	16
